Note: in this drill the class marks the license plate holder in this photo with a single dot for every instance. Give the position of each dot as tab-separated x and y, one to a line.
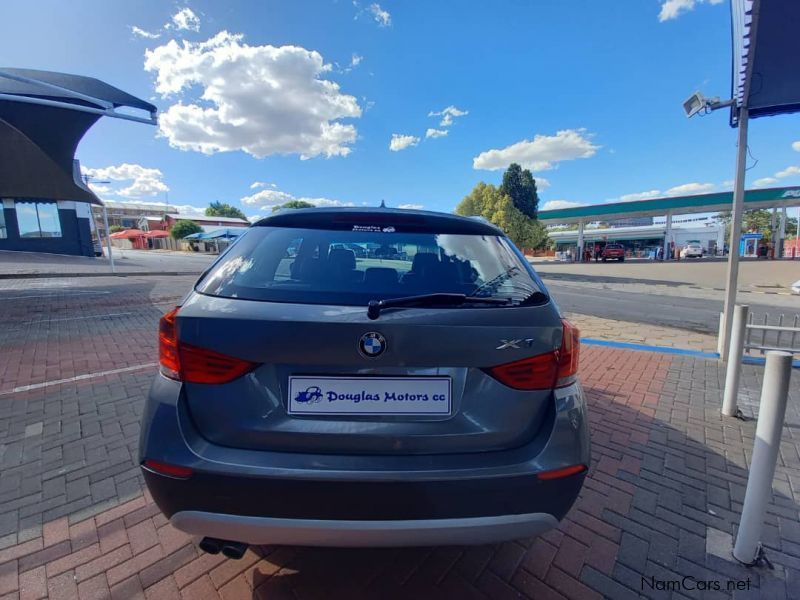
370	396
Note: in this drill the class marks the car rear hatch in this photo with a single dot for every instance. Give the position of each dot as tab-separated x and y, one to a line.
284	313
318	343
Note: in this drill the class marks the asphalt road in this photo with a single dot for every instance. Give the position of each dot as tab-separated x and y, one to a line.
684	312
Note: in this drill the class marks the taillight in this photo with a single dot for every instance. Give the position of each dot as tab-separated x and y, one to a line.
168	346
544	371
535	373
192	364
200	365
568	355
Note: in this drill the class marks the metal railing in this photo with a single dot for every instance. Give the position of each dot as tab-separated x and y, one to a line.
765	332
743	330
773	335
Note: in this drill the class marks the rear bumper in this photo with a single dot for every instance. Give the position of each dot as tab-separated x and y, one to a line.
311	532
289	498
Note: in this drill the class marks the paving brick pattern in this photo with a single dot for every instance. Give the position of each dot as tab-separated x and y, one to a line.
666	481
52	329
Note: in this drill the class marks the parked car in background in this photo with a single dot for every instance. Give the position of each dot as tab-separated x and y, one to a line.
692	250
613	252
796	287
331	400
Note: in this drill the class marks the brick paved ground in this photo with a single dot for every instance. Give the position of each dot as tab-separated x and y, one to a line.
13	264
665	486
639	333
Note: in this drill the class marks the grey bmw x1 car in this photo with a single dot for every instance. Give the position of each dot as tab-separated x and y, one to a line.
366	377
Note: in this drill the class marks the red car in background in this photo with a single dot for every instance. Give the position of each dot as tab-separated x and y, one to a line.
613	251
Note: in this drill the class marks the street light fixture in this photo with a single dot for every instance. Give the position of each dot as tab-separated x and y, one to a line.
698	102
695	104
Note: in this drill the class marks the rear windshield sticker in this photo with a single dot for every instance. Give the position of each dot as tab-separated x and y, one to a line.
374	228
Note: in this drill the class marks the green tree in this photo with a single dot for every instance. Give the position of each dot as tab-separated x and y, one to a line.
520	186
184	227
293	204
489	202
759	221
220	209
116	228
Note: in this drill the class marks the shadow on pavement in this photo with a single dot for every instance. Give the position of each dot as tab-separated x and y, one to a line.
648	522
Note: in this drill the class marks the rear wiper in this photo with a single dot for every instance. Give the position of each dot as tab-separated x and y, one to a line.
535	298
375	307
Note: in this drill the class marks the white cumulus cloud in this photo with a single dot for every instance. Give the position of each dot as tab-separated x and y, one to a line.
259	184
185	19
380	15
401	142
435	133
796	146
144	181
672	9
143	33
765	182
639	196
448	115
688	189
263	100
542	183
539	154
411	206
788	172
685	189
556	204
267	199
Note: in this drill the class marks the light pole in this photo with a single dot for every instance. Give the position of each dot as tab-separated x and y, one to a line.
699	103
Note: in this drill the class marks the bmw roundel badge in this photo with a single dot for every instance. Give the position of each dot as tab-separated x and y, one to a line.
372	344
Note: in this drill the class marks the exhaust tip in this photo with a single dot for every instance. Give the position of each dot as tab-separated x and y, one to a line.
211	545
234	550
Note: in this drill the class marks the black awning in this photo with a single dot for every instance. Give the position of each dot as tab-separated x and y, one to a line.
41	126
88	86
765	57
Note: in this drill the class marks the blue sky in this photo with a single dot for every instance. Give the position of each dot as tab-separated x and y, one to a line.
306	97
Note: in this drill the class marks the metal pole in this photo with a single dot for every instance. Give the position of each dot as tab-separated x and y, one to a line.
730	397
667	236
580	241
736	231
781	234
771	413
108	239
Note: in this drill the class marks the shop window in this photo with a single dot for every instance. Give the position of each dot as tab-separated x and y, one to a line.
38	219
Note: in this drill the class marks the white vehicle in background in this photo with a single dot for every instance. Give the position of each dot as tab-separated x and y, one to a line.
796	287
692	250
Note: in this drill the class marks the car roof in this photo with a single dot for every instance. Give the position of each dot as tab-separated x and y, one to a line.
363	218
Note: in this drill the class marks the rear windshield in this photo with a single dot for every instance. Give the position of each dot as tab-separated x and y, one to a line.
319	266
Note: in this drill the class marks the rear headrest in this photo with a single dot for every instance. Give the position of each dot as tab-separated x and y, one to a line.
380	276
341	258
424	260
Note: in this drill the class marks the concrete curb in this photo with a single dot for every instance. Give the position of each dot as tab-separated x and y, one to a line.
748	360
